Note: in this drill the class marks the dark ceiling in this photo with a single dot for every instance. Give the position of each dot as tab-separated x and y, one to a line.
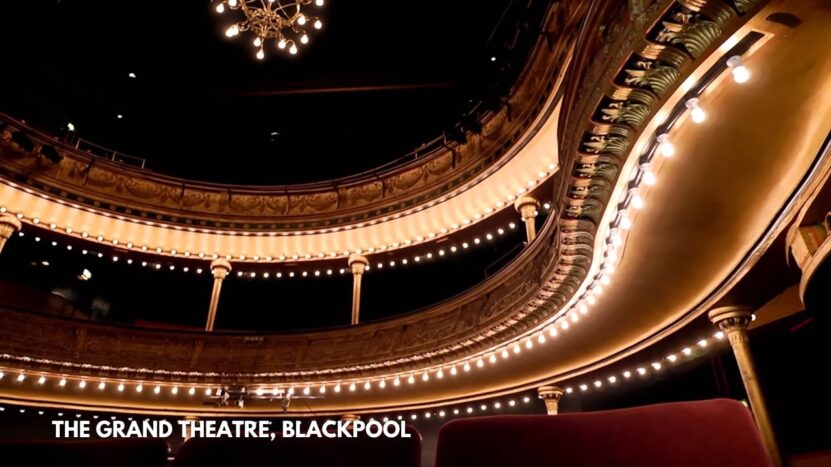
202	106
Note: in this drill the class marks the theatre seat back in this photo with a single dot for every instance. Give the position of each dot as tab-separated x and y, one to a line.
86	453
714	433
303	452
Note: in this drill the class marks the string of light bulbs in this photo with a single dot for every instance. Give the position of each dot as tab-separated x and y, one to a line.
633	201
429	235
474	408
422	257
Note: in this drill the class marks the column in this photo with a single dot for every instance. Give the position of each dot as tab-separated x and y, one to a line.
733	321
551	396
358	264
9	224
527	207
219	268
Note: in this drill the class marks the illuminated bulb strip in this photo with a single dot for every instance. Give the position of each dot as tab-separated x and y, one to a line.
280	274
542	177
654	366
581	306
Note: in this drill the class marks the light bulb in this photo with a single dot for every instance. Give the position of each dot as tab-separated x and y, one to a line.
82	384
318	24
232	3
258	42
637	201
665	146
740	72
697	114
649	178
304	39
232	30
301	20
281	44
260	56
102	385
220	8
293	49
319	2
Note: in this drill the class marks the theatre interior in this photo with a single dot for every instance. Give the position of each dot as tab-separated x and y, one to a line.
565	233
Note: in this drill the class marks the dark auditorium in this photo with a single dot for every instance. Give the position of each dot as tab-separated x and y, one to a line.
465	233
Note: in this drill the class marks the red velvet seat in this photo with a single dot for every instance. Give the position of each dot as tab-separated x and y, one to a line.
303	452
714	433
86	453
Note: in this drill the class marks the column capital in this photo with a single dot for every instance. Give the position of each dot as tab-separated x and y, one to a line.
551	396
729	318
220	268
358	263
527	207
550	392
9	224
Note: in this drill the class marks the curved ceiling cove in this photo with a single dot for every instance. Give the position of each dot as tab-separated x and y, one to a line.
697	92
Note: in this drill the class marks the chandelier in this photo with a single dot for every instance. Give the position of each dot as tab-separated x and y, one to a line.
282	23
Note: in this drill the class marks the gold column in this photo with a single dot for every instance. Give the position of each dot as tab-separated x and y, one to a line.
551	396
358	264
219	268
733	320
527	207
9	224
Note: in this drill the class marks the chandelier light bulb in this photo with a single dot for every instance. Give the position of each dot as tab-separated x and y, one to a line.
260	54
740	72
649	178
697	114
220	8
318	24
232	3
258	42
665	146
232	30
319	2
281	44
304	39
301	20
293	49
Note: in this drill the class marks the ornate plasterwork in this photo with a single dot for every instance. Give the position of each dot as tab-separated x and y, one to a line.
101	185
531	290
